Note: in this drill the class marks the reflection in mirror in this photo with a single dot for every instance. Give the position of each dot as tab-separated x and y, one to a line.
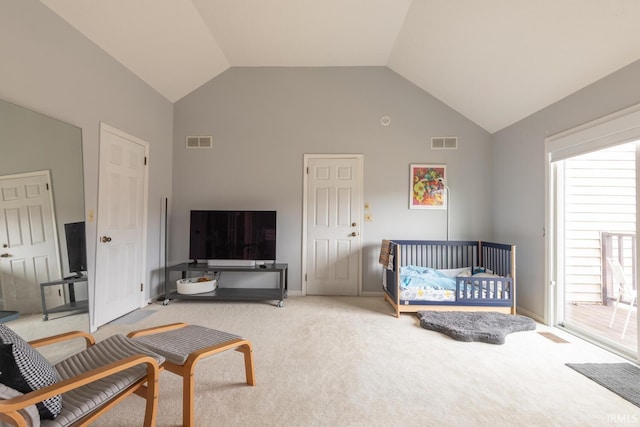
41	223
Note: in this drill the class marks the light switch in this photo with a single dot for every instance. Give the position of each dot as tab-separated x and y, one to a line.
366	205
368	218
91	216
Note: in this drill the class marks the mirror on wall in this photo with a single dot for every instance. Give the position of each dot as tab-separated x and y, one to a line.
41	224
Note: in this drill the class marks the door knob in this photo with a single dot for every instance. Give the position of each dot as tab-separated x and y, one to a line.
354	234
5	256
353	224
105	239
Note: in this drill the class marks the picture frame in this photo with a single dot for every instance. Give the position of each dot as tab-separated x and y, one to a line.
427	186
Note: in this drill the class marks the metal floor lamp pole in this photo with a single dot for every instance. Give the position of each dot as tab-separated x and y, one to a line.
446	192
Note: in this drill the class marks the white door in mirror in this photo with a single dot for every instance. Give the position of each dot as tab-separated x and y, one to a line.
29	241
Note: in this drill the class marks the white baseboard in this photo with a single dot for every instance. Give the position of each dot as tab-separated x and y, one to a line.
373	294
364	294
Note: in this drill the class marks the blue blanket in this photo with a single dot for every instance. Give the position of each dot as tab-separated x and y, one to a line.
413	276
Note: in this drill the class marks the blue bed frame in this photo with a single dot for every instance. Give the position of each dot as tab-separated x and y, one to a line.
448	254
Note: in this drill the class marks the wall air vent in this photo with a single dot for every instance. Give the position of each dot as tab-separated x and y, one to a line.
199	142
444	142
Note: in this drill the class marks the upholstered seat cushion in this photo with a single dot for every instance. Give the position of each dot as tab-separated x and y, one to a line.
80	401
176	345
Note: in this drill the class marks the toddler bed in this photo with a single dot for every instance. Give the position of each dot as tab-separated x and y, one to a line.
448	275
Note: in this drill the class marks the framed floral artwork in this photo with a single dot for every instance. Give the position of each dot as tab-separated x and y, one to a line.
427	187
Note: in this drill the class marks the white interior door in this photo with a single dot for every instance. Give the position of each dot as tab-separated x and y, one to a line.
29	252
333	217
121	225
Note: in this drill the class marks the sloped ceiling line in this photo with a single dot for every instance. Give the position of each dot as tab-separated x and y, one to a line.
494	61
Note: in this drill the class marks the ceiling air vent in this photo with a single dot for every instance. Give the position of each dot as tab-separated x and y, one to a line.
199	142
444	142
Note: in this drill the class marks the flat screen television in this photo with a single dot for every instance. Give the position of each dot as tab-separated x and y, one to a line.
226	237
76	247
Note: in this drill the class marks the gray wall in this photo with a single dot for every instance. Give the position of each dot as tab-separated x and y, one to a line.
49	67
263	120
519	182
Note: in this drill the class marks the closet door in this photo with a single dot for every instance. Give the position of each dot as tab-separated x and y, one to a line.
333	229
120	252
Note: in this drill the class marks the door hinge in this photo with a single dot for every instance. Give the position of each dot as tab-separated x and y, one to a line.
145	160
59	293
141	287
307	170
47	184
305	277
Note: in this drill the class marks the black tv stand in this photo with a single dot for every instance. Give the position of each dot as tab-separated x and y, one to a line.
231	294
73	305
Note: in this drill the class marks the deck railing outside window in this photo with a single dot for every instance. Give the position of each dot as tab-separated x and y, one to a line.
621	246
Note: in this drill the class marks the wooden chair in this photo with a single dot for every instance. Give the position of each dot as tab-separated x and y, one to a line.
90	382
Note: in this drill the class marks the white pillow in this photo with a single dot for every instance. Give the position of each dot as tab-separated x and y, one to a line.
457	272
486	275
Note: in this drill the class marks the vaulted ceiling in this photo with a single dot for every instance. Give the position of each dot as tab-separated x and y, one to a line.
494	61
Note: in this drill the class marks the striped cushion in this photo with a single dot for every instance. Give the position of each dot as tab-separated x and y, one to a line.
178	344
83	400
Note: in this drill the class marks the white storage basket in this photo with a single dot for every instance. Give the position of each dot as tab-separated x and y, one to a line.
196	285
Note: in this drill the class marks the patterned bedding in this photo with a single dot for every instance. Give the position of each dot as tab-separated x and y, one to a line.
428	284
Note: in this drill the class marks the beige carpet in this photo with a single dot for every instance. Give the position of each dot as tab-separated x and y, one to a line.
31	327
346	361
